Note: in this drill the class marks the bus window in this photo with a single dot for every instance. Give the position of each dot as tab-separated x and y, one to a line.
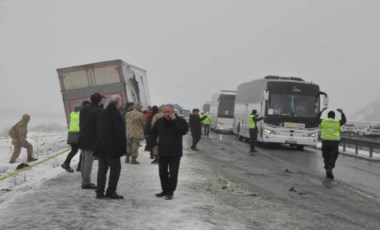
292	105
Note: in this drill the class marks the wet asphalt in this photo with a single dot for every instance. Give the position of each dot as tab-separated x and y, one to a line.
297	179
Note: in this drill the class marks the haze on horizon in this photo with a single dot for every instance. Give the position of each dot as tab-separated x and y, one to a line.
191	49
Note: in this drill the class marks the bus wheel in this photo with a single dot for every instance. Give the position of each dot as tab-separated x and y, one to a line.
300	147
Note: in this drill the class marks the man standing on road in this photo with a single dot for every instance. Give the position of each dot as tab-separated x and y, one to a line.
155	118
168	131
18	134
252	125
110	146
135	133
147	129
206	123
88	126
72	139
330	136
195	124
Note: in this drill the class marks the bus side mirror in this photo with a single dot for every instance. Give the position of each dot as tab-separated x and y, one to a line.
266	95
326	102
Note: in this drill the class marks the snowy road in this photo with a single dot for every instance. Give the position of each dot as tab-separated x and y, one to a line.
221	187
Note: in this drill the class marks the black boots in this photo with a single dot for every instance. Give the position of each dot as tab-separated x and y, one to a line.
155	161
67	168
114	196
329	173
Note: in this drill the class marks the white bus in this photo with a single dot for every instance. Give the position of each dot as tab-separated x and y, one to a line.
290	106
222	111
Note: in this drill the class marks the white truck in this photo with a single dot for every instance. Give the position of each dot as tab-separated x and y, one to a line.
78	83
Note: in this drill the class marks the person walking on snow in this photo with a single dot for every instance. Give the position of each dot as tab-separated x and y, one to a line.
167	134
330	136
88	125
73	137
18	133
135	133
110	147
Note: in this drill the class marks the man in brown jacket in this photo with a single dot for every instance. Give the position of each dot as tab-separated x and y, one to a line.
18	135
135	132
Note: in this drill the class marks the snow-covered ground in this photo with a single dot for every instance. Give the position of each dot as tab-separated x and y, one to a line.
205	199
45	145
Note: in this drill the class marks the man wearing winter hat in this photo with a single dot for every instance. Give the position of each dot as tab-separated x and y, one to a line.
18	135
88	125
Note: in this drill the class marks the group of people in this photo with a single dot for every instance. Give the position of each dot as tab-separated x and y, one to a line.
107	134
329	134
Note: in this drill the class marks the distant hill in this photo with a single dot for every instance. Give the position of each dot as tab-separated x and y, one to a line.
370	113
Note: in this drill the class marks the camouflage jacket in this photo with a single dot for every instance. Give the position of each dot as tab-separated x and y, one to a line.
135	124
21	130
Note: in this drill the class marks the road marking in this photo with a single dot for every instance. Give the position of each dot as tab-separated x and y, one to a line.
33	164
364	194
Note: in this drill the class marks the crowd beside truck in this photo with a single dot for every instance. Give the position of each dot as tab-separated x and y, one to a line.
109	113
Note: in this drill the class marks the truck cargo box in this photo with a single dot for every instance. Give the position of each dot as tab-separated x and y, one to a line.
78	83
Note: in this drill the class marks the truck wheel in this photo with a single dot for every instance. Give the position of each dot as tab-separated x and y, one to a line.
300	147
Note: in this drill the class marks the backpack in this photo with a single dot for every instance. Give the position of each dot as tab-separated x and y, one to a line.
13	132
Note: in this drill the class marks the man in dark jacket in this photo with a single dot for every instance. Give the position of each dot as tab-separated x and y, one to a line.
195	128
330	136
110	146
169	130
87	137
147	128
253	130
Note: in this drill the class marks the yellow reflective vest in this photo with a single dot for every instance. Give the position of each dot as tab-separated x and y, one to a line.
74	122
207	120
330	129
251	122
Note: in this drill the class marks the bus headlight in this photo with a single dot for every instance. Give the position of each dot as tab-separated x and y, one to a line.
312	134
219	125
269	131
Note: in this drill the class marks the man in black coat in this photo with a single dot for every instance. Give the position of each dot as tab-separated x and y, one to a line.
110	146
195	128
169	130
87	137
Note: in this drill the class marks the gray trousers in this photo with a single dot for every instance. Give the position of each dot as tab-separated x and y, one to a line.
86	165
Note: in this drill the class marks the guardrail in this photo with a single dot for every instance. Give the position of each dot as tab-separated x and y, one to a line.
358	143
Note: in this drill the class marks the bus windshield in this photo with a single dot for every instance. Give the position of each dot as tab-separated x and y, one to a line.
226	106
292	105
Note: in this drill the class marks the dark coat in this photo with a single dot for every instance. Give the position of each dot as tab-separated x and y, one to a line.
73	138
195	125
111	138
169	133
88	120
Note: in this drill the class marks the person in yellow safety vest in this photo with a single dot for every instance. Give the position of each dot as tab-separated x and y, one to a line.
206	123
73	137
252	125
330	136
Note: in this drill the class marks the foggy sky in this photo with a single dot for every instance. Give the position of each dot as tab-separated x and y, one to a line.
191	49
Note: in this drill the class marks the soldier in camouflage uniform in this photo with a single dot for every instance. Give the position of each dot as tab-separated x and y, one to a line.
135	133
18	135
